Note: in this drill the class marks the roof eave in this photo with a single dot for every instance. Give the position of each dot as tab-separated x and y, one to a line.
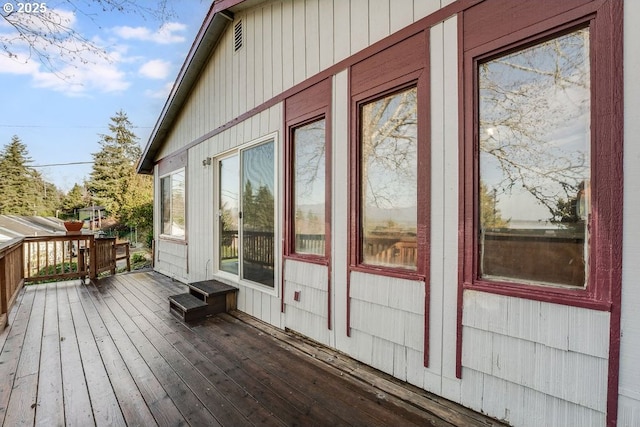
210	33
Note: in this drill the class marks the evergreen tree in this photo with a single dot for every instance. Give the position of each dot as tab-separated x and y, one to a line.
17	192
113	164
490	216
76	198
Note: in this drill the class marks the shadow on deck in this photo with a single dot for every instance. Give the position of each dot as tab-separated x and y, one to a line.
110	353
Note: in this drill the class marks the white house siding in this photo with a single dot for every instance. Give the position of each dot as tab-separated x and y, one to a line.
339	208
528	362
516	351
309	315
387	324
440	377
171	259
285	43
202	192
629	401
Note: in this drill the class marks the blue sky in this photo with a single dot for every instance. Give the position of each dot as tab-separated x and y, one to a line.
60	119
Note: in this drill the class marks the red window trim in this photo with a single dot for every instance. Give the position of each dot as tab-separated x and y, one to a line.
603	291
417	80
304	107
597	293
402	65
406	65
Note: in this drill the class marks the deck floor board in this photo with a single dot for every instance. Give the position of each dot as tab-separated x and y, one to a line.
50	411
110	353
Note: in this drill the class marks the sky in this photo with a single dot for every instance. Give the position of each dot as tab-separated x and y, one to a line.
60	117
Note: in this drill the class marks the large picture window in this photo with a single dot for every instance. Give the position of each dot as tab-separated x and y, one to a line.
246	213
172	204
535	162
541	175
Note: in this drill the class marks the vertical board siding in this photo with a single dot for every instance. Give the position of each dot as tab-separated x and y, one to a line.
422	8
284	44
312	37
379	21
529	362
326	33
359	25
201	213
439	176
450	198
629	387
341	30
339	206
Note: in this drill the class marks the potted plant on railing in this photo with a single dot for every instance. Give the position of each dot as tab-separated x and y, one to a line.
73	226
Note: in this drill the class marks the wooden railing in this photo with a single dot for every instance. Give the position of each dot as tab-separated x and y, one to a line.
11	276
56	257
48	258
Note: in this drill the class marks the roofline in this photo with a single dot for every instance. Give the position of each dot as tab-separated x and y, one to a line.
207	38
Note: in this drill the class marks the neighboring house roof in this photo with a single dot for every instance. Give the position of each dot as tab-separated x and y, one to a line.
12	226
212	29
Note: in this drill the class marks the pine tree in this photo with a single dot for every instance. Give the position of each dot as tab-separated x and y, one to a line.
109	179
17	192
76	198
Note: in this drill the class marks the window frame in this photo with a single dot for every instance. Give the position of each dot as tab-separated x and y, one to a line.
393	70
303	108
238	278
170	175
605	222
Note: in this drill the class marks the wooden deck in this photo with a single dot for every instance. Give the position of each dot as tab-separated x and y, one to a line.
110	354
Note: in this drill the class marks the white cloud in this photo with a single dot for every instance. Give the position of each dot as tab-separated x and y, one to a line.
166	34
77	81
162	93
78	68
155	69
17	65
92	72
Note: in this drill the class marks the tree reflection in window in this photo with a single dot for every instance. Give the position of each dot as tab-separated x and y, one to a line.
258	214
534	142
309	187
389	180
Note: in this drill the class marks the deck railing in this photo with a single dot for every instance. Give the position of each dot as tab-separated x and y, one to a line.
48	258
56	257
11	276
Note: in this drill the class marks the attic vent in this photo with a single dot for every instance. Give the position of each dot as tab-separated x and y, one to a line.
237	36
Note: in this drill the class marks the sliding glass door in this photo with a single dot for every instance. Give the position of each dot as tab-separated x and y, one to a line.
246	214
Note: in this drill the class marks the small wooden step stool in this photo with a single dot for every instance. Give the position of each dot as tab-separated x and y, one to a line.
204	299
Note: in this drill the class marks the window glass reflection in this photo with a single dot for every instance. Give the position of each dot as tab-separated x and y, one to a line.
389	180
177	204
534	193
309	188
228	214
258	214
